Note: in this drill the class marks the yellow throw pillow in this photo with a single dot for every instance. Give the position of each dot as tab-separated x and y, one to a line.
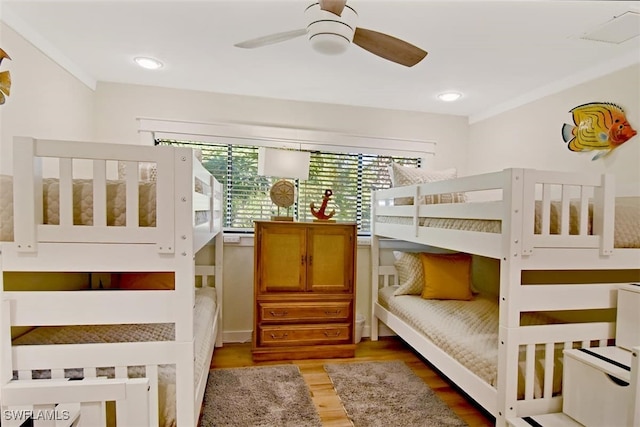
446	276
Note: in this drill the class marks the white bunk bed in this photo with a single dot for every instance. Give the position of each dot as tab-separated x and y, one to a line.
153	229
515	227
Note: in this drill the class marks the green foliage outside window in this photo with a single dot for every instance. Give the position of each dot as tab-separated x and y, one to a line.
351	177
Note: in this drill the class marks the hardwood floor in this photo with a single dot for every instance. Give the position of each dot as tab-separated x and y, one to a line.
324	397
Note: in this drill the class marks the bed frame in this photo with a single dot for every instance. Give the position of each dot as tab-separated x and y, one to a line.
518	249
183	186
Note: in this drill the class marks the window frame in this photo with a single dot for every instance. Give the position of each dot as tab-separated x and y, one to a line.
248	134
327	165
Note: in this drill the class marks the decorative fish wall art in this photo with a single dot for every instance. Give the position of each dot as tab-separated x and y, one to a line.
597	126
5	79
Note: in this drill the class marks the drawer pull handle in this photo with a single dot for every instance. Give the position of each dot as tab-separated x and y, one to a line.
618	381
278	313
279	337
332	333
332	312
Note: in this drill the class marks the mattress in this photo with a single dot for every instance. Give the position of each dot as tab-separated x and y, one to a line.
626	231
83	204
204	311
466	330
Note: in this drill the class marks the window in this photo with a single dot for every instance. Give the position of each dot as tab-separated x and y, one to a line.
351	177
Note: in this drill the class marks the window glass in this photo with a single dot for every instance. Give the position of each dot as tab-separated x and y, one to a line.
350	176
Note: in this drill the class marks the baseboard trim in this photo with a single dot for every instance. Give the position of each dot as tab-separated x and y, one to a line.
236	336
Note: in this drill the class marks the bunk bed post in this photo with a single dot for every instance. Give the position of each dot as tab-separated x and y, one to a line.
166	219
375	285
185	384
184	287
30	208
375	274
6	360
6	365
635	386
218	282
184	254
604	214
510	277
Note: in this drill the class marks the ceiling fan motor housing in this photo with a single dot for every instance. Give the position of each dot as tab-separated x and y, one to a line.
329	33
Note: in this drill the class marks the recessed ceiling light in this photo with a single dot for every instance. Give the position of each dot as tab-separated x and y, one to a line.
449	96
148	63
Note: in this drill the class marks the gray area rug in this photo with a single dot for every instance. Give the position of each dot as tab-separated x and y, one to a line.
258	396
388	394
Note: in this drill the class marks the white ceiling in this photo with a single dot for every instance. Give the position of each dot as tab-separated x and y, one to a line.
497	53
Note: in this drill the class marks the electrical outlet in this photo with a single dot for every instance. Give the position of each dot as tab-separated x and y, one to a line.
232	238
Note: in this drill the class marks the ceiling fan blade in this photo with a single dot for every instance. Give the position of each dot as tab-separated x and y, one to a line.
388	47
271	39
334	6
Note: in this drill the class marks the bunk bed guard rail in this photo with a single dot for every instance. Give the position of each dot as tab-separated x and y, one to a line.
97	158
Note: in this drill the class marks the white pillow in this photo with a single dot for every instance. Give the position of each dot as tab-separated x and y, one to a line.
404	175
410	273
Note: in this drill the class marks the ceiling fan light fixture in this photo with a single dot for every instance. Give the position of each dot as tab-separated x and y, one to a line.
148	63
328	33
329	44
449	96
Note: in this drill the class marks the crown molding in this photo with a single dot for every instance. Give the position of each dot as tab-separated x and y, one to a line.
46	47
573	80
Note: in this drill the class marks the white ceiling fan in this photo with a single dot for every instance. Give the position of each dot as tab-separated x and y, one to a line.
332	28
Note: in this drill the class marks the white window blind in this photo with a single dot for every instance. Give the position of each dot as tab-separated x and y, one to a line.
350	176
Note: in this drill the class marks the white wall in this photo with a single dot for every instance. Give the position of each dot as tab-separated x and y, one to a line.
45	102
123	104
530	136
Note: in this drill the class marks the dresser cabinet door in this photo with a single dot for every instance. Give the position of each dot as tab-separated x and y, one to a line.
282	259
330	259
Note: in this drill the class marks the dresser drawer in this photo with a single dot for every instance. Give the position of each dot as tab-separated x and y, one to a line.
279	312
304	334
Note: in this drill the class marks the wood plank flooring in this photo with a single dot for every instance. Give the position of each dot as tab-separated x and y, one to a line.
324	397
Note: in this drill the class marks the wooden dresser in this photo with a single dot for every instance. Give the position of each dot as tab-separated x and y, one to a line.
304	290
